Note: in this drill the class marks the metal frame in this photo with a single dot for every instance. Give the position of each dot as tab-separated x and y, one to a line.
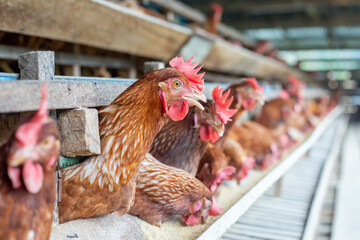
219	227
320	193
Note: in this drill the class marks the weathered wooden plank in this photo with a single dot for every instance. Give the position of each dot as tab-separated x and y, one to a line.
20	96
198	46
12	53
97	23
182	9
37	65
225	57
67	92
199	17
151	66
7	127
79	132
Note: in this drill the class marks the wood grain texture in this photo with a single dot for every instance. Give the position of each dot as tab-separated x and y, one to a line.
79	131
39	65
8	125
20	96
224	57
97	23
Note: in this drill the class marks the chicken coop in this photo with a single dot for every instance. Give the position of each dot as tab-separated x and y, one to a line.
179	119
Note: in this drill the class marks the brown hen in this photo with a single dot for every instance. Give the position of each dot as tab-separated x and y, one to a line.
163	191
214	19
246	95
258	142
106	183
182	144
27	177
285	112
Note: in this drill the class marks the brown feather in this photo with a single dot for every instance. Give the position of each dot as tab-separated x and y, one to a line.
178	144
163	191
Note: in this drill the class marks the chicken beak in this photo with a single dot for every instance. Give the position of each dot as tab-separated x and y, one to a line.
20	156
218	126
260	99
194	97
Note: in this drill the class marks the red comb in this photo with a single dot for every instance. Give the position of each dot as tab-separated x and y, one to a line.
295	81
222	105
254	84
189	70
42	113
28	132
216	7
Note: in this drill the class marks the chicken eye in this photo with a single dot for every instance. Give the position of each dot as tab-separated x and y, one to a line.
177	83
46	142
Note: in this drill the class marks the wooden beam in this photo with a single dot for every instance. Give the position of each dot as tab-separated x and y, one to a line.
234	34
37	65
12	53
97	23
199	17
224	57
152	66
66	92
22	96
295	20
182	9
274	6
338	43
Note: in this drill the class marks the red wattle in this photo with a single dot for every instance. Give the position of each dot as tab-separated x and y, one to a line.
14	175
205	133
33	176
178	111
197	207
163	100
191	220
215	208
284	94
249	103
214	136
246	167
284	141
221	176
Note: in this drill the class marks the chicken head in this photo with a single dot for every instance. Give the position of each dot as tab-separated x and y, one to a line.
216	114
182	88
247	94
34	149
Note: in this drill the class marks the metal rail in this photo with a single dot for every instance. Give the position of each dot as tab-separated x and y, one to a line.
320	193
218	228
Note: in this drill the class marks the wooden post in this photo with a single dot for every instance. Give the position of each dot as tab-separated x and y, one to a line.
170	16
132	73
153	65
40	65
